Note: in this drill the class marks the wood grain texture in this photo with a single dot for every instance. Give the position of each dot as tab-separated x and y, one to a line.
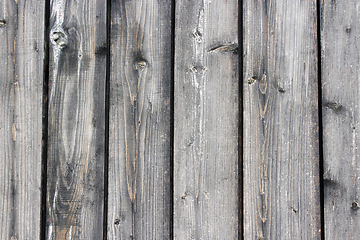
139	143
76	122
341	117
206	122
280	91
21	89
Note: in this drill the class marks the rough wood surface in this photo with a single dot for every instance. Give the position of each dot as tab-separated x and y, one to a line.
341	117
206	122
139	144
280	91
21	79
76	123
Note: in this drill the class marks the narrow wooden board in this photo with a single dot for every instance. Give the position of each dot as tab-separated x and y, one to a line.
76	122
21	91
206	122
139	143
280	91
341	117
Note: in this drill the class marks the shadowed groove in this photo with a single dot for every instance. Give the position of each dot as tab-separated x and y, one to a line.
107	111
45	122
321	154
241	118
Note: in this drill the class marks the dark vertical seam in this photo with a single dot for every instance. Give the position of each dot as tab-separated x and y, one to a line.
13	189
321	155
132	237
241	118
172	111
45	112
107	114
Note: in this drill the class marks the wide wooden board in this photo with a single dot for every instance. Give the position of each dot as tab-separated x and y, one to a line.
21	92
281	147
139	198
76	120
340	65
206	121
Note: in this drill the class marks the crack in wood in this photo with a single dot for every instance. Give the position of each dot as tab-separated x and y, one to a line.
233	48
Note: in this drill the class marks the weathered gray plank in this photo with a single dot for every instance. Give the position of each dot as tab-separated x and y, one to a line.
21	79
139	143
280	91
76	120
341	117
206	195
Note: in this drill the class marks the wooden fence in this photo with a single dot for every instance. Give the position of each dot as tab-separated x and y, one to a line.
129	119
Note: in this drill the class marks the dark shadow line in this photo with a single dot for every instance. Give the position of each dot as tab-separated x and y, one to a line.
321	154
45	110
107	117
241	118
172	116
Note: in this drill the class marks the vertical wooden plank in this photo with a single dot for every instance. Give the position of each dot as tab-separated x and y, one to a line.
281	152
341	117
206	195
139	143
76	129
21	88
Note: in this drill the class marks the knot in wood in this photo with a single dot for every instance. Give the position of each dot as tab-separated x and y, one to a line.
140	64
355	206
251	80
198	36
2	23
334	106
59	38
